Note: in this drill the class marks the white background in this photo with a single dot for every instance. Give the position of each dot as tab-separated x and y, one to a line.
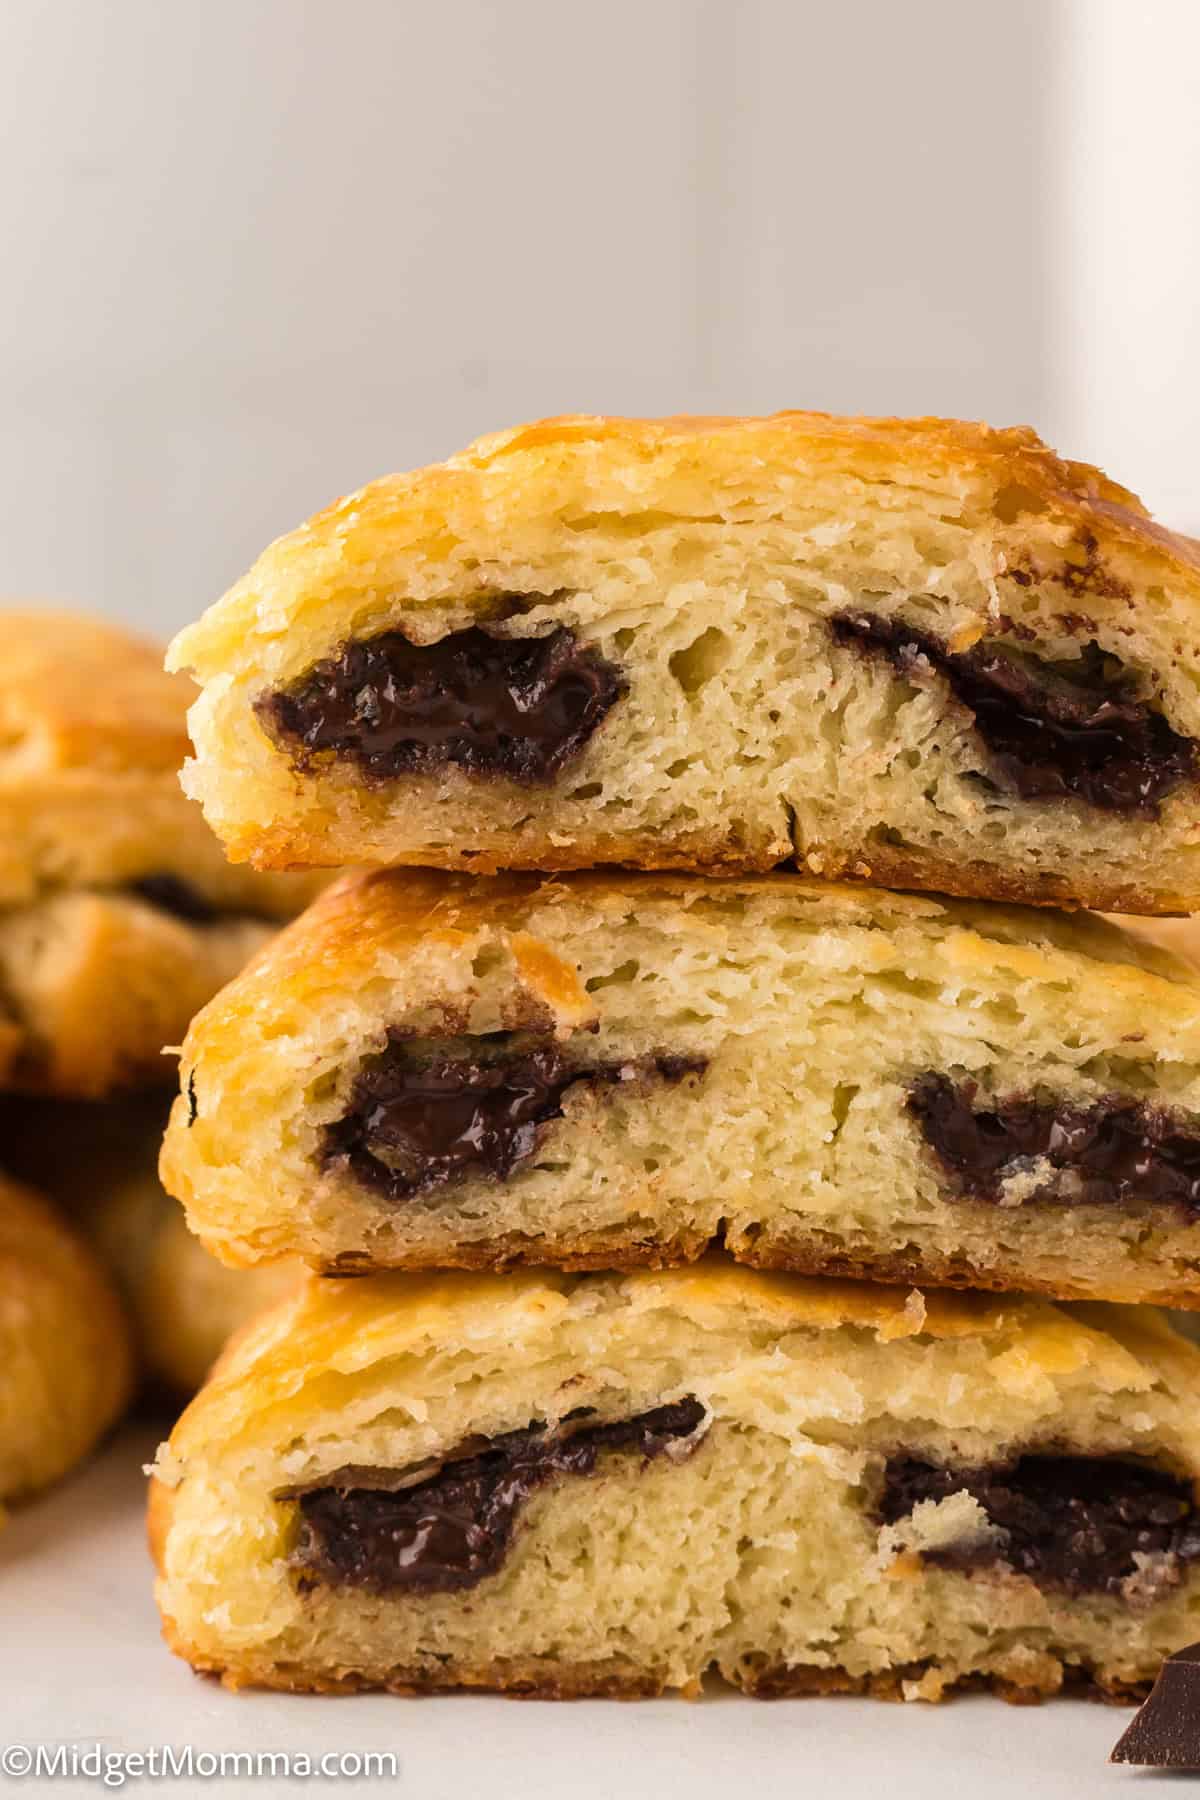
257	251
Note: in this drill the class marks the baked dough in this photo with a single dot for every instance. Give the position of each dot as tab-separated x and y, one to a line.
918	652
713	1469
608	1070
92	736
119	915
1180	936
65	1361
95	984
98	1162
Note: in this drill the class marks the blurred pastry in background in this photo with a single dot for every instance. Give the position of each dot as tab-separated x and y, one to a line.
119	915
99	1162
66	1361
1180	936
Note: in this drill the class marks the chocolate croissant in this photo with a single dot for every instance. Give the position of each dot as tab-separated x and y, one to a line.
611	1070
920	653
600	1485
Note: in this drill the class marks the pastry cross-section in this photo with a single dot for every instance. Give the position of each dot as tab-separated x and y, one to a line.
920	653
606	1070
599	1484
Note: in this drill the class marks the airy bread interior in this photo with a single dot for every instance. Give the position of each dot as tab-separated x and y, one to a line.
758	1555
806	1012
705	560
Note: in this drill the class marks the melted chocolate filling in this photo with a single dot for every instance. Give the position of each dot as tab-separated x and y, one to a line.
1052	731
452	1529
1112	1152
1070	1522
412	1125
520	707
171	894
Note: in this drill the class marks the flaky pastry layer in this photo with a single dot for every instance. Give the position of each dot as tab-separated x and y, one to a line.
754	1548
708	563
740	1062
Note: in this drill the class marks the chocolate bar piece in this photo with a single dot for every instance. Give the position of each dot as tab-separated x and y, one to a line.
1166	1732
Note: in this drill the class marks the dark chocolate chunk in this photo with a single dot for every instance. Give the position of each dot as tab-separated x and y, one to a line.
171	894
1115	1151
413	1123
1052	731
520	707
1166	1732
1070	1522
450	1529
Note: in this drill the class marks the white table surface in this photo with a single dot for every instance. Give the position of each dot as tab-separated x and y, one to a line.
81	1661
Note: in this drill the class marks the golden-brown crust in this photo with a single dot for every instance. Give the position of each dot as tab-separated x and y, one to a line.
530	1680
1016	450
575	1256
543	1680
536	1680
1079	492
892	868
408	1314
160	1501
409	507
367	914
799	1682
785	1256
928	1268
714	855
704	852
77	692
807	1680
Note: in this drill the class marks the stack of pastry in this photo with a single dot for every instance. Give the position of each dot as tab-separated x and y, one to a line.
118	918
755	1269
